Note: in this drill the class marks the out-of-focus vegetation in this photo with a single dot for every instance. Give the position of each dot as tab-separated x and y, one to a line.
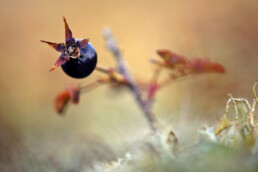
231	145
101	128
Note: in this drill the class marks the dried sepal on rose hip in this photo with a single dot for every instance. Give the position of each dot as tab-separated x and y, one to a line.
72	94
78	58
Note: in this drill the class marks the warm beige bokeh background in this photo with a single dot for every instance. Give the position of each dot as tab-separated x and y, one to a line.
224	31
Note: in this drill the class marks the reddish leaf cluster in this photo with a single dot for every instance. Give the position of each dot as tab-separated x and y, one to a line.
203	65
179	66
187	66
71	93
172	60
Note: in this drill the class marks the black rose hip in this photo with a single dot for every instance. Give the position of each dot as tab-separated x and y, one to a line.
78	58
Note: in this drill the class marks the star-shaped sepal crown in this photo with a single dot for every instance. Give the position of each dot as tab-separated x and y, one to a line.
69	49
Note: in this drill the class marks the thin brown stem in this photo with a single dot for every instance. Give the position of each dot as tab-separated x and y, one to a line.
172	79
255	96
178	78
123	70
94	84
101	68
153	88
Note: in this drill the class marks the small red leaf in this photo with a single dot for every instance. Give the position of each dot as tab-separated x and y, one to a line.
183	65
61	101
201	65
171	58
71	93
74	93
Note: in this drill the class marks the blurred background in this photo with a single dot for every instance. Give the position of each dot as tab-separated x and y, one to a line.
102	125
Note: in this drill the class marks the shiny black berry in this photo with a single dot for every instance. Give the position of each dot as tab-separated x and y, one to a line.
84	65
